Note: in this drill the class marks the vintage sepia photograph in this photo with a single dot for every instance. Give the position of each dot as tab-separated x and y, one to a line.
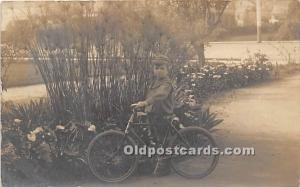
133	93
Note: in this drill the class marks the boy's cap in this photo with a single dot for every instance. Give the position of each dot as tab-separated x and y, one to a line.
160	60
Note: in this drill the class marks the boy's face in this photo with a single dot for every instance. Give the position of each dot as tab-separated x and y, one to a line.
160	71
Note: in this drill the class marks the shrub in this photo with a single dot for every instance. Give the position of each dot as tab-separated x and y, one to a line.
214	78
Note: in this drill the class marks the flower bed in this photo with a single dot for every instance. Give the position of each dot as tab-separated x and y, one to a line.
214	78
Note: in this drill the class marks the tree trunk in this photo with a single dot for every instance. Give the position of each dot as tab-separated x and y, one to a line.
199	48
201	56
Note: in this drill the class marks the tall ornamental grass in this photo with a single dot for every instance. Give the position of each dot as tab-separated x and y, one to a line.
98	62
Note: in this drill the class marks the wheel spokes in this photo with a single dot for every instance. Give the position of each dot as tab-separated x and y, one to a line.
107	159
197	164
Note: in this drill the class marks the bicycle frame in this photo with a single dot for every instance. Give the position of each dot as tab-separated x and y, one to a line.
129	131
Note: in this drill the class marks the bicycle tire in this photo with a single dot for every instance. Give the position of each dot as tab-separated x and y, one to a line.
91	162
174	163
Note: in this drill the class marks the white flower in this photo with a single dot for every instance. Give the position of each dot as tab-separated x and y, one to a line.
185	66
187	114
92	128
31	137
259	69
246	76
226	73
17	120
191	96
188	75
37	130
217	76
193	84
60	127
267	69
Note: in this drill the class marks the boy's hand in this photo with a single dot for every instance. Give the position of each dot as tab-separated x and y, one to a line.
141	104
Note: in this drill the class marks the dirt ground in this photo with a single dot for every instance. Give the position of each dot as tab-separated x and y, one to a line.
266	117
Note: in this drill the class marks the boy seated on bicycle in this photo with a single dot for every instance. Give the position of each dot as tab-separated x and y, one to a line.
159	103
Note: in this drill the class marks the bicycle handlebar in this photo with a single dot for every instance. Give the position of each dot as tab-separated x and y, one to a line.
133	105
135	108
135	111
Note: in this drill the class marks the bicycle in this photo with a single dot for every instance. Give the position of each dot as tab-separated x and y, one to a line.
109	163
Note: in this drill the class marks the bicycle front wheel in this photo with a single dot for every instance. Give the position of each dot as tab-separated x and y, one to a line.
193	163
107	159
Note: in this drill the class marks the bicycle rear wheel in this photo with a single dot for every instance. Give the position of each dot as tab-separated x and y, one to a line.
106	157
194	165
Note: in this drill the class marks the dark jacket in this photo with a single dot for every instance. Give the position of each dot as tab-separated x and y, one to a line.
160	97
